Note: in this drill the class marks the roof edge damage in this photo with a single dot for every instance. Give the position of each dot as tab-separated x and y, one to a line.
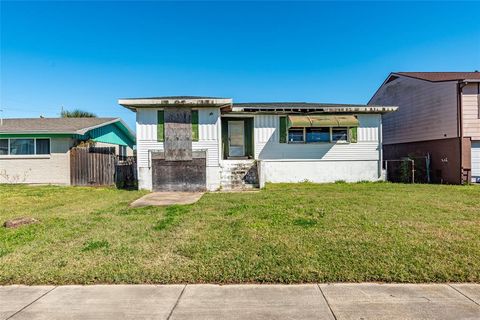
133	103
188	101
310	107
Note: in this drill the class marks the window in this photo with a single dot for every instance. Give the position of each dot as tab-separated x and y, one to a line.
3	147
42	146
22	146
318	134
122	152
295	135
339	134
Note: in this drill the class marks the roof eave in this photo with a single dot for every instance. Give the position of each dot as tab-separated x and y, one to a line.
366	109
86	129
133	104
38	132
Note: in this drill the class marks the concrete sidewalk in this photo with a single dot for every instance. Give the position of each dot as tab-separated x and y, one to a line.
309	301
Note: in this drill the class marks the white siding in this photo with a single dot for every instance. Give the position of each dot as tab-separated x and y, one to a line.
427	110
323	162
471	111
317	171
476	161
209	125
147	124
267	146
53	168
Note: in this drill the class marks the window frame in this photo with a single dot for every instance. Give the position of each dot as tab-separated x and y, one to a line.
34	155
8	147
338	129
319	142
49	147
296	129
348	141
122	152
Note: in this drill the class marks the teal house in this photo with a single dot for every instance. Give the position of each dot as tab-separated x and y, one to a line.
37	150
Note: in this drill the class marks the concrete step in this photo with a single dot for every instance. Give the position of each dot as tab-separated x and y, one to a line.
237	175
239	187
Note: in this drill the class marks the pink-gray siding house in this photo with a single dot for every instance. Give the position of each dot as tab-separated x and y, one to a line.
439	114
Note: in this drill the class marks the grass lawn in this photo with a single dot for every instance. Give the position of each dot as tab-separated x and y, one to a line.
287	233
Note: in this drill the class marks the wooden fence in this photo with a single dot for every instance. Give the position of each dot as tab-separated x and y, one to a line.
92	166
96	166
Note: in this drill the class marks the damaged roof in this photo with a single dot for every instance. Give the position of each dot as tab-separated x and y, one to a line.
309	107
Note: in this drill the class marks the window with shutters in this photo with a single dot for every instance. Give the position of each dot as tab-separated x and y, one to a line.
310	130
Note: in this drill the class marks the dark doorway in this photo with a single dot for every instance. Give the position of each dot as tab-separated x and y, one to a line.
237	138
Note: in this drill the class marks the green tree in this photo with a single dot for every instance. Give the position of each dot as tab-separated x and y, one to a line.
77	113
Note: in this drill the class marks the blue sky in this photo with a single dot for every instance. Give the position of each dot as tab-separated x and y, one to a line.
88	54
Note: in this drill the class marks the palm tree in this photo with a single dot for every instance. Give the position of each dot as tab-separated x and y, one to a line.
77	113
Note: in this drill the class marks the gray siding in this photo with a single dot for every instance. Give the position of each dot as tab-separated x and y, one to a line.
427	110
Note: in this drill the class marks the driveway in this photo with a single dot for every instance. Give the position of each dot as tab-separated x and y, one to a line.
306	301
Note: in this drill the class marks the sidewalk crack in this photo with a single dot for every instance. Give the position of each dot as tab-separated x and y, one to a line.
328	303
176	303
28	305
463	294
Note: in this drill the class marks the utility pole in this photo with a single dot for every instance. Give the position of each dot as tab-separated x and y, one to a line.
1	117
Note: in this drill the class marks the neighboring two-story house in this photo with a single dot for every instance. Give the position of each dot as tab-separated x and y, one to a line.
207	143
439	115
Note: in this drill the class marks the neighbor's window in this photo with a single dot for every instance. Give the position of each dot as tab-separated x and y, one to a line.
3	146
295	135
22	146
339	134
318	134
42	146
122	152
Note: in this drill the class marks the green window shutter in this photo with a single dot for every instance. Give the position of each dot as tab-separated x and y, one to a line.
353	134
194	125
160	125
283	130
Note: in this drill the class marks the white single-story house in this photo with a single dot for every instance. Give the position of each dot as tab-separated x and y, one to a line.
37	150
207	143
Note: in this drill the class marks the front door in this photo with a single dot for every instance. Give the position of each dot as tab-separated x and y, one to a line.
236	138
